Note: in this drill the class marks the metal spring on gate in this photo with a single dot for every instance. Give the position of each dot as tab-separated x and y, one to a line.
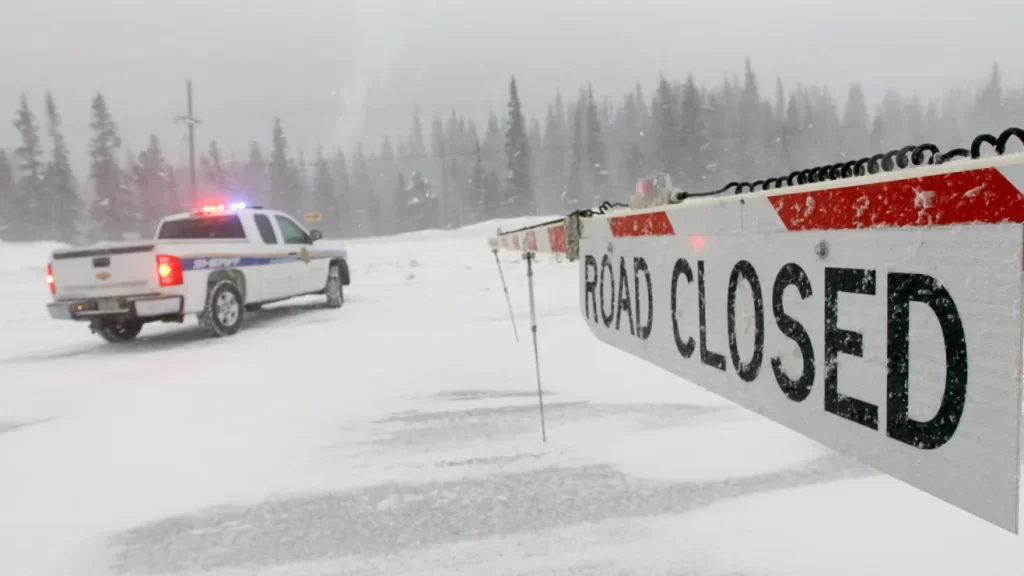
905	157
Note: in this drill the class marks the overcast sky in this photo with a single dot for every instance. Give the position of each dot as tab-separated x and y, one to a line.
339	70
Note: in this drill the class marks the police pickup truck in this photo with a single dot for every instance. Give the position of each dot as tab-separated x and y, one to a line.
216	263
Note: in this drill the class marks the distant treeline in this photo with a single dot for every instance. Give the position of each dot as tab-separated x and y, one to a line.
587	149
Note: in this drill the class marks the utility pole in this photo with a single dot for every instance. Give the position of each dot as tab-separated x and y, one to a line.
191	120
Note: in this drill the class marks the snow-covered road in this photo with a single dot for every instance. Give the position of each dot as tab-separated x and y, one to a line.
400	435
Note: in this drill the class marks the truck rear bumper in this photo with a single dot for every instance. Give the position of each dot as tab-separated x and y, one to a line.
141	308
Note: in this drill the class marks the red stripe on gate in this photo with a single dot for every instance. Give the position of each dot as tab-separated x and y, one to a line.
650	224
556	235
981	196
531	240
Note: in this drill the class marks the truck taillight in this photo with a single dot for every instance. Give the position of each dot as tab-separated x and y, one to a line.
49	279
168	270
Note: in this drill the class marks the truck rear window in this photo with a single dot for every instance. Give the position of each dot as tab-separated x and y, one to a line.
203	228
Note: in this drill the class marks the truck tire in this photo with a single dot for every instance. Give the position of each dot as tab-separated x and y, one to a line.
115	332
333	290
224	310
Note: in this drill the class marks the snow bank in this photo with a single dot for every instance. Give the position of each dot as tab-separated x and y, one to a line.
24	255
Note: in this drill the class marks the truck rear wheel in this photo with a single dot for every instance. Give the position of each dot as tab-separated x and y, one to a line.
224	310
115	332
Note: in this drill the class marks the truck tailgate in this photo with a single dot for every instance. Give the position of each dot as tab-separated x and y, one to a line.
116	269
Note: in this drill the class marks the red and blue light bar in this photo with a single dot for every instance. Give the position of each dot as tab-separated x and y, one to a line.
221	208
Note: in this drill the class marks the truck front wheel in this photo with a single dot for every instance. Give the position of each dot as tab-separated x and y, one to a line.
116	331
333	290
222	315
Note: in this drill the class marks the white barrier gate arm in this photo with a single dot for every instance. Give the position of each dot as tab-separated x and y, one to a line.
878	315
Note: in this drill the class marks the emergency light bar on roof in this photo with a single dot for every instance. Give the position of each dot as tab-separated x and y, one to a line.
912	277
221	208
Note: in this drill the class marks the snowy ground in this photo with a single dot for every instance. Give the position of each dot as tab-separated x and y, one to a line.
400	435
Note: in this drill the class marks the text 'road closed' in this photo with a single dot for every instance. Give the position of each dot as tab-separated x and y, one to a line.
618	293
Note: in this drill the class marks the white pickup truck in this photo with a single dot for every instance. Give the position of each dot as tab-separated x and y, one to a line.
216	263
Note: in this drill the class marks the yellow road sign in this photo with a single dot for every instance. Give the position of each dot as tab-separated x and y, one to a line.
313	216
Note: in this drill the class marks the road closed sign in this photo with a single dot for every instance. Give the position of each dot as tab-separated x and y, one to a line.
881	318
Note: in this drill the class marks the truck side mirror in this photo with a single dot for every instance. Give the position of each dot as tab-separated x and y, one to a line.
315	235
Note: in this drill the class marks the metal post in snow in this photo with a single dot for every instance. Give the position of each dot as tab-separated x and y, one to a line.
508	300
536	356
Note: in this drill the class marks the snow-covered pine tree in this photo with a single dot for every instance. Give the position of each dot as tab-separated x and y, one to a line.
554	168
361	193
597	157
339	169
519	186
7	200
666	126
280	174
33	209
152	180
478	190
256	186
60	181
114	207
694	139
572	198
386	175
216	174
325	199
302	186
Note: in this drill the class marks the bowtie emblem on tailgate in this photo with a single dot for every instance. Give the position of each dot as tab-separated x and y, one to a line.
102	275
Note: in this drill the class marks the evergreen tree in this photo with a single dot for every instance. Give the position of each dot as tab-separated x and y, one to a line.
572	198
7	199
59	180
519	187
597	164
988	114
114	207
386	175
554	170
325	199
694	143
256	185
417	147
361	193
282	178
536	145
33	208
155	187
748	145
216	175
856	122
302	186
666	122
401	204
636	165
343	192
493	148
478	193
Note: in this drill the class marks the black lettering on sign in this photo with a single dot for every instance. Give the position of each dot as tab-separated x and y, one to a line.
708	357
837	340
640	265
748	371
589	285
624	299
904	289
682	268
606	264
796	389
